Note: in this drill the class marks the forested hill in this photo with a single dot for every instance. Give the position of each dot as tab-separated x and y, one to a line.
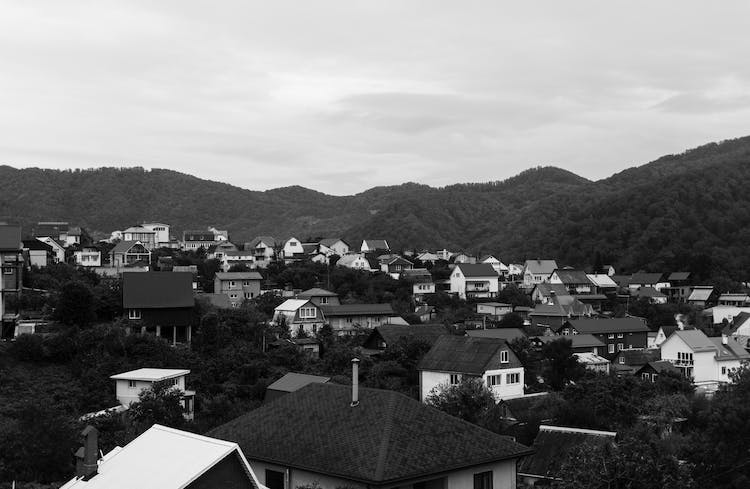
686	211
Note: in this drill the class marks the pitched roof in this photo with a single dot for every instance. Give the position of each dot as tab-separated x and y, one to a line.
150	290
398	260
659	366
267	240
729	351
377	244
701	293
293	381
358	310
637	356
677	276
473	270
567	276
292	304
553	444
391	333
417	275
139	229
547	289
602	280
466	355
239	276
507	334
650	293
10	237
642	278
577	340
695	339
151	374
614	325
161	458
35	244
386	438
316	292
328	242
540	267
124	246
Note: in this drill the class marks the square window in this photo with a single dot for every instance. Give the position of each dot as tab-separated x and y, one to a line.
611	348
483	480
134	314
611	336
131	384
620	347
455	379
619	335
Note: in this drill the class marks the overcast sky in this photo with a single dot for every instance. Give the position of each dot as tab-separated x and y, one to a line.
343	96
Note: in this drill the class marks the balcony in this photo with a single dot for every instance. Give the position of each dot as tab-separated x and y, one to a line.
477	286
682	363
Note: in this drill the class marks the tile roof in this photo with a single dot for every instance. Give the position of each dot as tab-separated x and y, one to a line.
150	290
358	310
553	444
614	325
293	381
472	270
239	276
540	267
507	334
10	237
35	244
417	275
386	438
466	355
547	289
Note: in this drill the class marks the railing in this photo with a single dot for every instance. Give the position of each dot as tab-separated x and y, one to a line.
682	363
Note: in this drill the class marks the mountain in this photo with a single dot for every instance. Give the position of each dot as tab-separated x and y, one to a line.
685	211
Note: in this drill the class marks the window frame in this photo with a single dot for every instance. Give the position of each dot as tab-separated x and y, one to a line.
611	348
134	314
483	480
504	356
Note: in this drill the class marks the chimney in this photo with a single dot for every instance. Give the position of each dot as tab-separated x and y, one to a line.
355	382
88	454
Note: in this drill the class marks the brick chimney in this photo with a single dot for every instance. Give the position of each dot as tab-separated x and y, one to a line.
88	455
355	382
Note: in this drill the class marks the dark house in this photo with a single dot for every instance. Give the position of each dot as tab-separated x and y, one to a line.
580	343
627	362
11	268
343	436
389	334
617	333
652	370
160	303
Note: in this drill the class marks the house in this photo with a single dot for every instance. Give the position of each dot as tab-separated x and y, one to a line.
320	297
500	267
146	236
464	258
293	250
552	447
128	386
652	295
580	343
444	254
347	319
369	245
265	248
195	240
558	310
88	257
163	458
642	279
421	280
737	300
357	261
299	314
428	257
387	335
662	334
544	292
453	358
627	362
701	296
394	266
593	362
474	281
128	253
11	278
496	310
334	246
37	253
537	271
239	257
238	286
160	303
291	382
58	248
707	361
507	334
57	230
218	250
739	328
575	281
426	313
617	333
162	238
679	289
310	347
724	314
337	436
652	370
603	283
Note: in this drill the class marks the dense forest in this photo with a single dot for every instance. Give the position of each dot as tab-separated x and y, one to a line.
686	211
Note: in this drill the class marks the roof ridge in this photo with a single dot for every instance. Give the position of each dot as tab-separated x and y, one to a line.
385	441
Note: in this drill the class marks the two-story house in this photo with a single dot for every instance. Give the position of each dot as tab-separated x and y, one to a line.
707	361
162	238
334	436
334	246
195	240
477	280
293	250
58	248
266	249
36	253
394	265
88	257
357	261
11	277
495	310
299	314
320	297
537	271
643	279
159	303
500	267
576	282
127	253
238	286
146	236
617	333
421	282
348	319
453	358
129	385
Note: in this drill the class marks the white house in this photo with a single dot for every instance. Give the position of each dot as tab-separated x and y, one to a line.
453	358
474	280
537	271
239	257
161	233
142	234
500	267
264	249
88	257
334	246
707	361
374	245
494	309
128	385
57	249
293	248
299	313
356	261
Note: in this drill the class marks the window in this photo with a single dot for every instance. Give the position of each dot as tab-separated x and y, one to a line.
455	379
307	313
611	336
566	331
483	480
611	348
232	296
622	360
8	270
248	295
134	314
653	377
131	384
723	370
620	347
504	356
493	380
645	376
619	335
324	300
274	479
514	378
231	284
245	283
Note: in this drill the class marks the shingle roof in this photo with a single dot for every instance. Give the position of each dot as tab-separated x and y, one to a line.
150	290
239	276
572	276
391	333
642	278
466	355
316	292
471	270
507	334
387	438
10	237
293	381
695	339
577	340
615	325
292	304
676	276
358	310
417	275
540	267
553	444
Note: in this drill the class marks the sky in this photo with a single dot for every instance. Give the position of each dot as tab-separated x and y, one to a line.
342	96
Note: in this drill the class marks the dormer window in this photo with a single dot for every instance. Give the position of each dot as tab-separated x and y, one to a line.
504	356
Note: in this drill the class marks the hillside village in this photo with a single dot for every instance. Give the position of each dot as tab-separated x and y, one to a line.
323	363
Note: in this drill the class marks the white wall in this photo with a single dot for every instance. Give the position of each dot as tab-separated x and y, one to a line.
503	390
125	395
429	380
292	246
503	476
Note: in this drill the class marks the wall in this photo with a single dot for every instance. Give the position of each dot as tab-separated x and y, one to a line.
429	380
503	475
126	394
229	473
504	389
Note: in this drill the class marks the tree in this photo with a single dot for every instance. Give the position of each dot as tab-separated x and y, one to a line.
75	304
529	357
511	320
559	365
158	404
469	400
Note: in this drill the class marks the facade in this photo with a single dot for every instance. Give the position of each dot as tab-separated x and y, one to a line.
293	249
299	314
421	280
494	309
11	278
88	257
58	249
128	386
357	261
231	258
195	240
162	238
395	265
320	297
575	281
265	249
347	319
334	246
474	281
146	236
127	253
454	358
537	271
500	267
37	253
238	286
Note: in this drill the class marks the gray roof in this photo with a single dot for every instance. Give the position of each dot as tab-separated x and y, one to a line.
239	276
614	325
573	277
507	334
124	246
679	276
358	310
701	293
10	237
294	381
477	270
576	340
642	278
467	355
316	292
155	290
328	242
695	339
377	244
731	351
540	267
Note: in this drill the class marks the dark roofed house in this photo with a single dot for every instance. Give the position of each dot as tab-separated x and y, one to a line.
617	333
347	319
652	370
627	362
389	334
474	280
643	279
580	343
370	245
380	439
128	253
159	303
454	358
575	281
552	446
291	382
507	334
320	297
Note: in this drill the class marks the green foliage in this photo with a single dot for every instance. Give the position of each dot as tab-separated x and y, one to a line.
469	400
